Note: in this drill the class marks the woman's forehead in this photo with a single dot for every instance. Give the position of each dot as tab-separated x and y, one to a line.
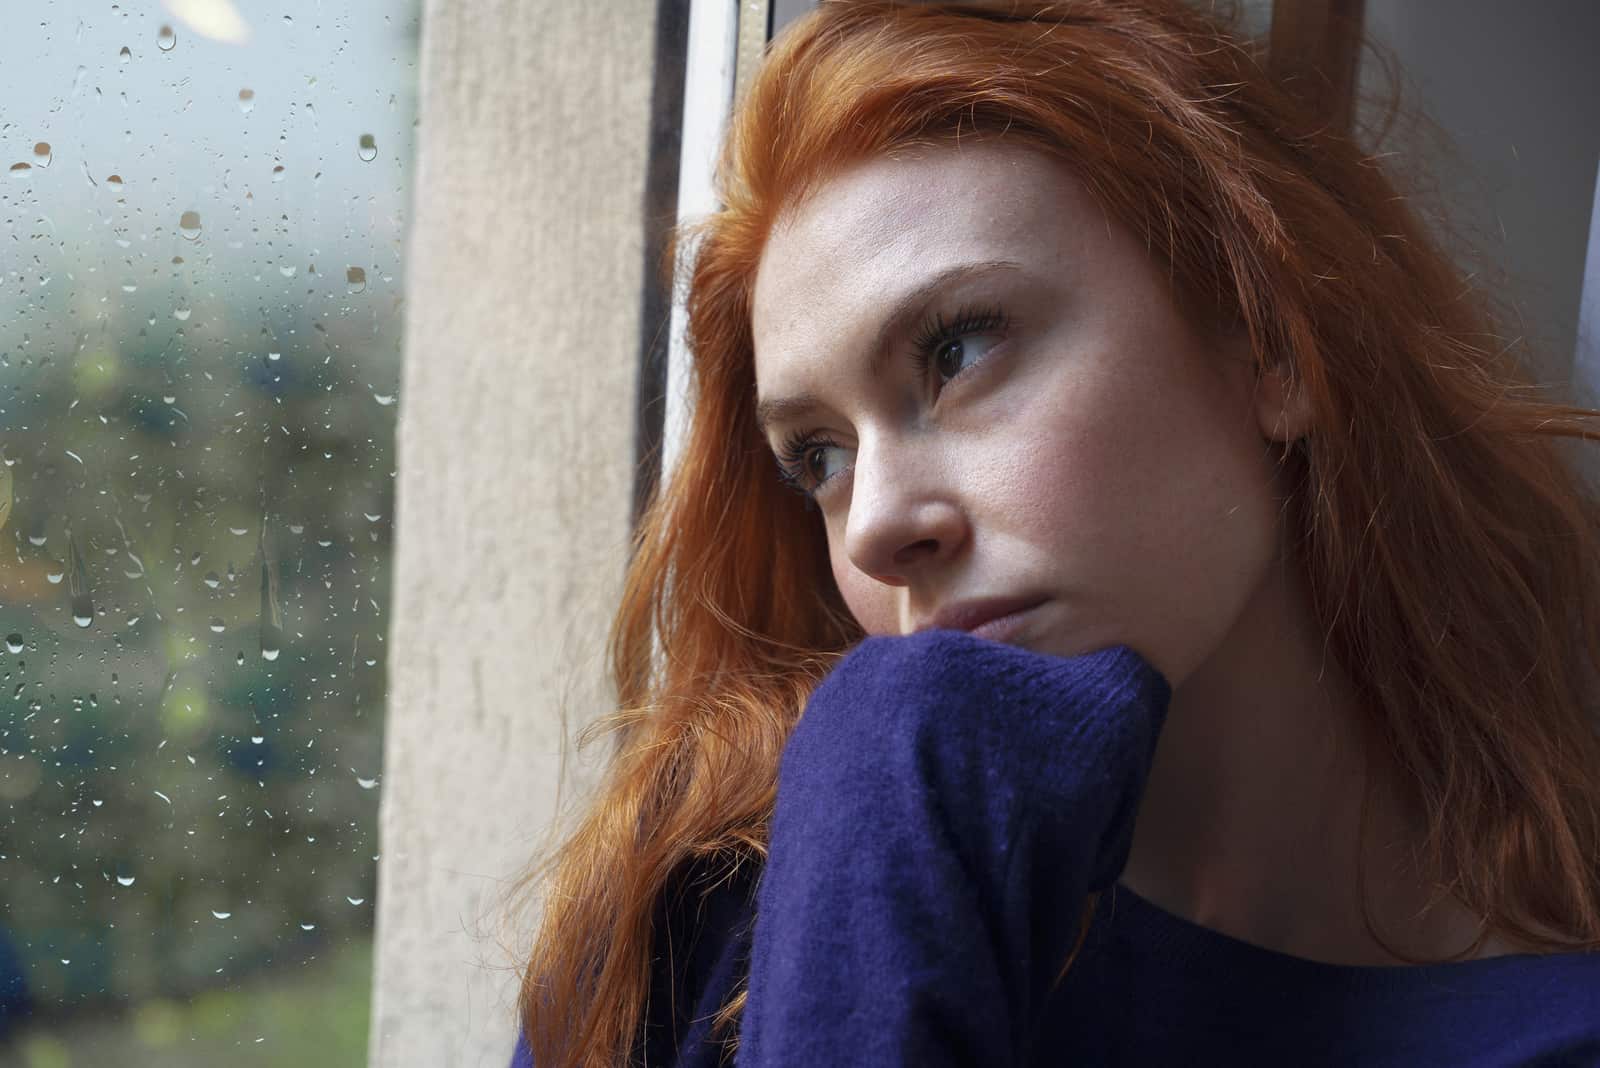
876	228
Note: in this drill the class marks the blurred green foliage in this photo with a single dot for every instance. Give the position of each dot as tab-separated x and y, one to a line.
312	1014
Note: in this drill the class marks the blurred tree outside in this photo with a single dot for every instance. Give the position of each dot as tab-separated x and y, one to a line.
199	358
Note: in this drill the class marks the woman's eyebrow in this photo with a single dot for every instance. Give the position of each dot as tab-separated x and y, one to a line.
908	308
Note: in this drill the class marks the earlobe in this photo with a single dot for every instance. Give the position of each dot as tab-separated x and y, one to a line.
1283	410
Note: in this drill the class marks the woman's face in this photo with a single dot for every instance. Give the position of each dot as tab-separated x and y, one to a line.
1008	403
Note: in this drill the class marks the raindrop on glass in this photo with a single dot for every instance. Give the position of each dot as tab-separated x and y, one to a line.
21	170
356	279
366	784
54	572
247	100
277	173
42	155
13	643
257	739
288	270
189	225
355	900
115	182
78	585
308	926
367	148
124	880
181	314
212	580
124	55
274	357
220	915
217	625
166	39
384	399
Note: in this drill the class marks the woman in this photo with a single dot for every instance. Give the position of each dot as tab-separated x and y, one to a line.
1280	737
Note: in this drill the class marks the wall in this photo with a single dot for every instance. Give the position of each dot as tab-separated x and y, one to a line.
1517	90
515	459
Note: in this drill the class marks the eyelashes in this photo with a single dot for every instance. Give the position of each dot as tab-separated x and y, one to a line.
932	340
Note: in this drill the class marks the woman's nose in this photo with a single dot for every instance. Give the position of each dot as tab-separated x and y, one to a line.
904	516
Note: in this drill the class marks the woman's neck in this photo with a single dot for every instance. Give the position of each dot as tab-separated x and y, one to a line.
1250	823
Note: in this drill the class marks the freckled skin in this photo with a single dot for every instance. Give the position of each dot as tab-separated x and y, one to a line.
1103	454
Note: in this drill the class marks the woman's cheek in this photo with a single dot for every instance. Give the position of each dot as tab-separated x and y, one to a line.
871	602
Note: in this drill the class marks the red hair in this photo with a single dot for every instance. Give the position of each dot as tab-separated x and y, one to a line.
1451	549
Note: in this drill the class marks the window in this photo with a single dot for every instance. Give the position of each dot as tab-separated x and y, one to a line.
203	217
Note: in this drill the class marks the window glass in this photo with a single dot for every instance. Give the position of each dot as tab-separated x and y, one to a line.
201	210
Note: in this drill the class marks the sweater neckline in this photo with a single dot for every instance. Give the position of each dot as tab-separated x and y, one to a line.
1204	952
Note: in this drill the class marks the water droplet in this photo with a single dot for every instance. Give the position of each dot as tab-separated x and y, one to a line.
274	357
21	170
367	148
239	659
13	643
247	100
308	926
355	900
124	880
277	173
78	584
115	182
356	278
384	399
217	625
130	287
366	784
124	55
181	314
97	803
257	739
220	915
189	225
166	39
288	270
212	580
271	623
54	572
42	154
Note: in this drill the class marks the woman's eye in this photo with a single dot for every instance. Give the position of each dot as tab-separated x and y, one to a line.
815	462
957	354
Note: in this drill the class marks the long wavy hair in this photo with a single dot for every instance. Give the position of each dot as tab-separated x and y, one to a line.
1449	542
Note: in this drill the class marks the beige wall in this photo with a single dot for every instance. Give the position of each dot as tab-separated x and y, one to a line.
515	458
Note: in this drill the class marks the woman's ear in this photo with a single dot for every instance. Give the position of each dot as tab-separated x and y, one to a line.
1283	411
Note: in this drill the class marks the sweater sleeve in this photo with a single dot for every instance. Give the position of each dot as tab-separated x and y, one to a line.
944	806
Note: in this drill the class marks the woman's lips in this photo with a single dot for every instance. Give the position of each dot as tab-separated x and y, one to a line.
985	617
1003	628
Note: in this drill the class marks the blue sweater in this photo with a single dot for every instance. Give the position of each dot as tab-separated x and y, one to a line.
944	805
